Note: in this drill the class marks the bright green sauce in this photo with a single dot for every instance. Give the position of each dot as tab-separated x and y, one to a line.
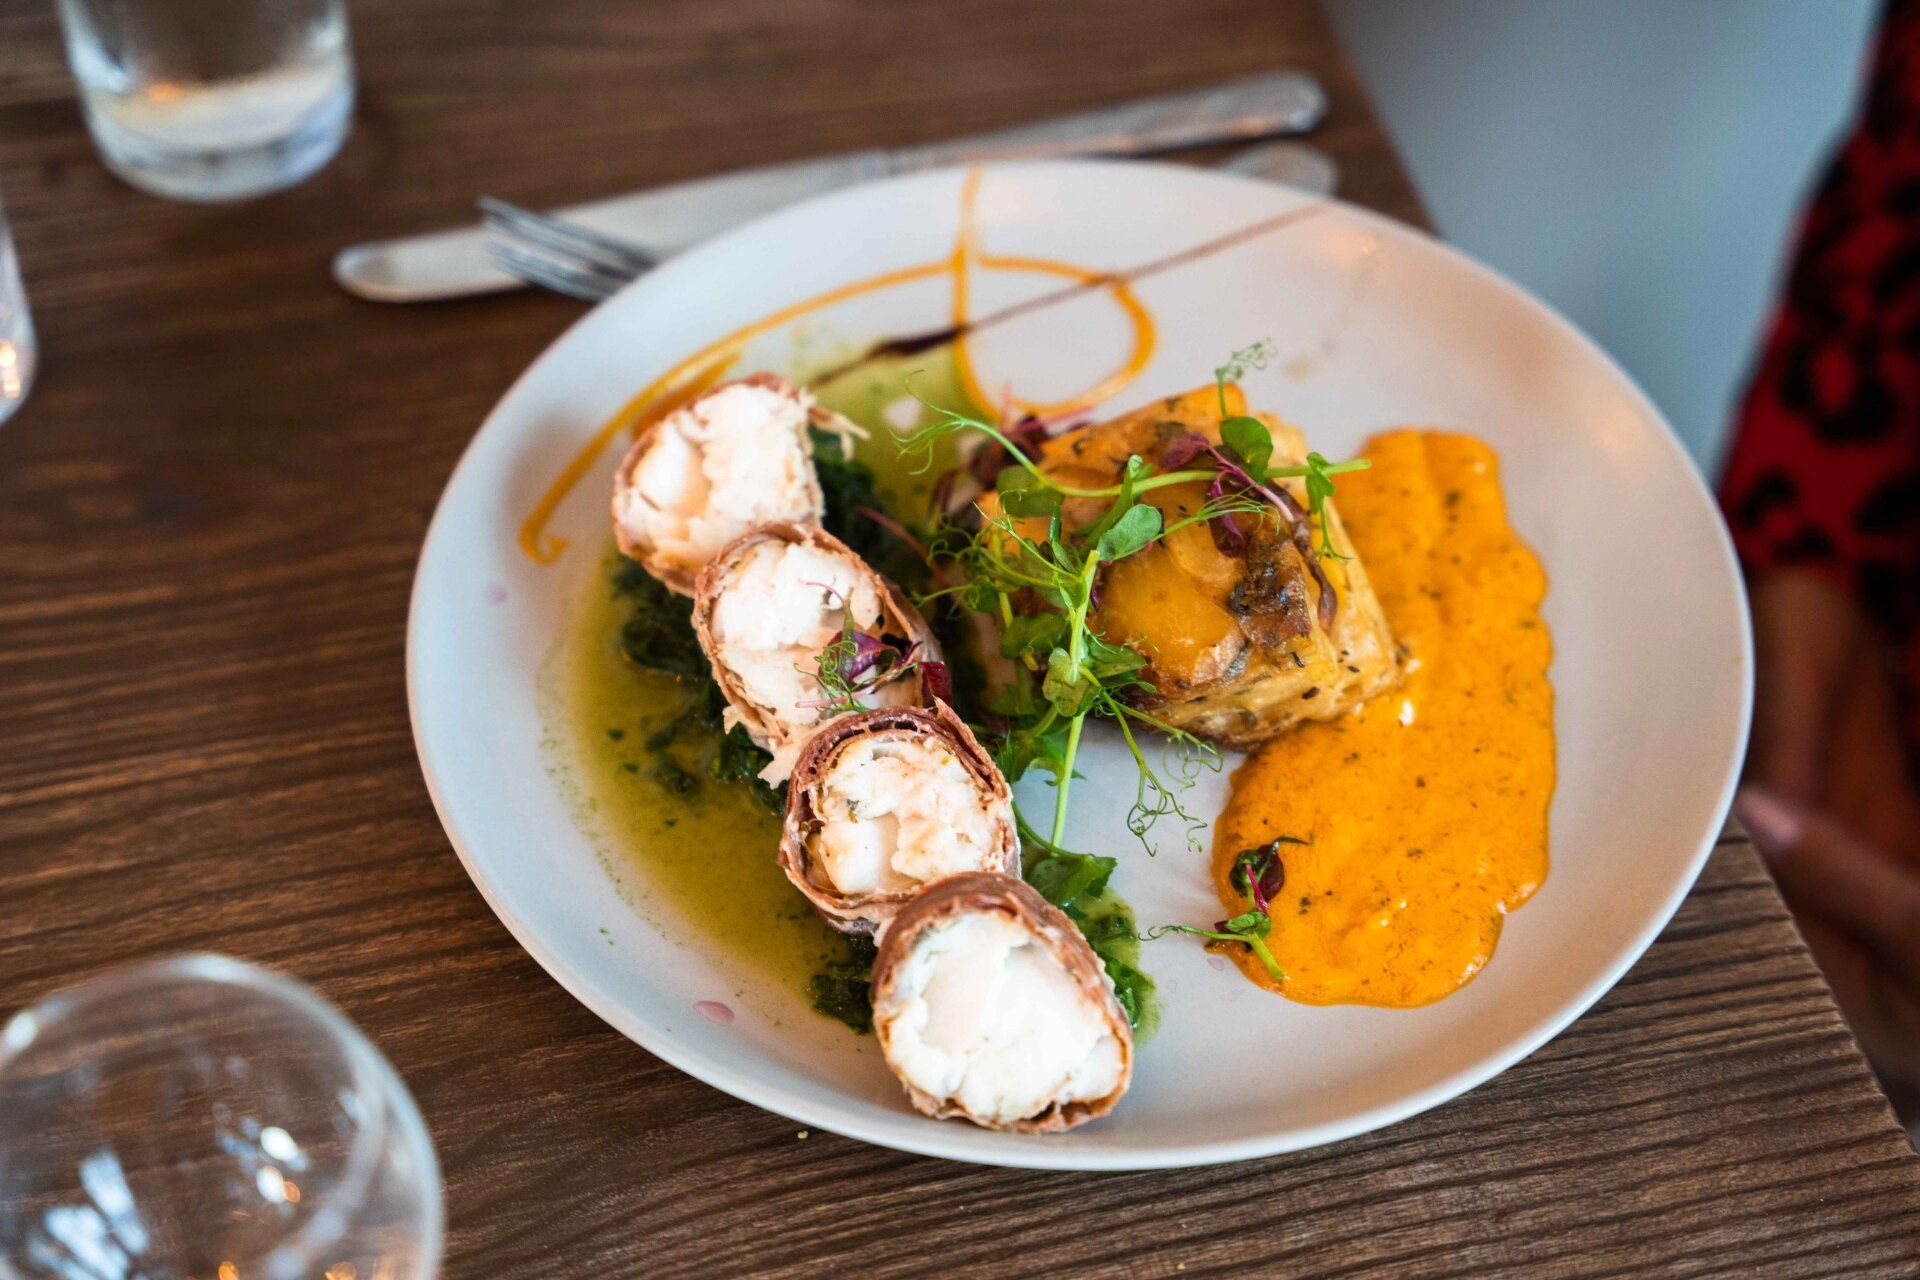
706	857
704	849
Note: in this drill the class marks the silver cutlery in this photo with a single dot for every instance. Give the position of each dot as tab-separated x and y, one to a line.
559	255
567	258
665	220
1293	164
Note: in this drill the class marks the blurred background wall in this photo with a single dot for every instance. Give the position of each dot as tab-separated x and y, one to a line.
1637	163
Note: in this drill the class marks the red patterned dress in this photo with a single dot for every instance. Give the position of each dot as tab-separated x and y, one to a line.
1824	473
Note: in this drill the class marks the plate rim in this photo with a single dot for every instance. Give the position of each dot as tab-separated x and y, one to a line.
944	1139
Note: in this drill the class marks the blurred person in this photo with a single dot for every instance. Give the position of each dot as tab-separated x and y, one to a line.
1822	490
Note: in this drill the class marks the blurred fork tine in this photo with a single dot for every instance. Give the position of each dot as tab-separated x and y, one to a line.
585	283
558	254
567	237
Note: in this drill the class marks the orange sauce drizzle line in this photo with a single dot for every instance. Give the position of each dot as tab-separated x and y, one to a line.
691	376
644	409
966	248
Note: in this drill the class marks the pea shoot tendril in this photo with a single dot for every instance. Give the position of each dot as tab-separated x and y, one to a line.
1037	574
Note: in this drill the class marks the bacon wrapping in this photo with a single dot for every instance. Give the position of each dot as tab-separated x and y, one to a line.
775	605
730	459
885	802
990	1007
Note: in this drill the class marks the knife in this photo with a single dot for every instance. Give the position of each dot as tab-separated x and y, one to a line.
665	220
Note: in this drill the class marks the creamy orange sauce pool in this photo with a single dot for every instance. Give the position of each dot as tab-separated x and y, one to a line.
1425	812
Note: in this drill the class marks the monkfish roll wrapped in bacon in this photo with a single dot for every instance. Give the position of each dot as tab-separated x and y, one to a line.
883	803
777	607
989	1005
726	462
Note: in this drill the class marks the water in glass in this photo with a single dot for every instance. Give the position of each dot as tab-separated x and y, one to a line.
212	99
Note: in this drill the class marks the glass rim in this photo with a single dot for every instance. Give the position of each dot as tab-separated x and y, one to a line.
373	1078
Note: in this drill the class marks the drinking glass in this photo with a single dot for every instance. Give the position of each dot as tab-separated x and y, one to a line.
199	1118
212	99
18	350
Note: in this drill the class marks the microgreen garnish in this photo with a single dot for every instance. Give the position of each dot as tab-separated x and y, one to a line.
1041	587
1064	878
858	664
1239	473
1258	875
1251	445
1255	355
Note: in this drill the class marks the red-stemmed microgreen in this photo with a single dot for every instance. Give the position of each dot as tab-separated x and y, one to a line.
858	664
1250	445
1258	875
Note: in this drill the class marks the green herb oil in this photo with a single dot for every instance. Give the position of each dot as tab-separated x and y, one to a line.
677	800
702	848
875	396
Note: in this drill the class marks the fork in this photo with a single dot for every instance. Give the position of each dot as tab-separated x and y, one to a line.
566	257
560	255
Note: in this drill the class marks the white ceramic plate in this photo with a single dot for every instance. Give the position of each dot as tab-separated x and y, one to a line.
1376	325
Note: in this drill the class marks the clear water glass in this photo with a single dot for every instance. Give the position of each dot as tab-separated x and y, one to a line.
199	1118
212	99
19	352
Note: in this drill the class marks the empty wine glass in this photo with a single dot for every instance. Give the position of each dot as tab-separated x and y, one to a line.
198	1118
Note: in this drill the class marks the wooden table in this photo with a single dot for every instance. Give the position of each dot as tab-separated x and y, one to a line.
209	513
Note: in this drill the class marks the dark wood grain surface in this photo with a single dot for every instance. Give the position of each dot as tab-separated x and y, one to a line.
209	513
